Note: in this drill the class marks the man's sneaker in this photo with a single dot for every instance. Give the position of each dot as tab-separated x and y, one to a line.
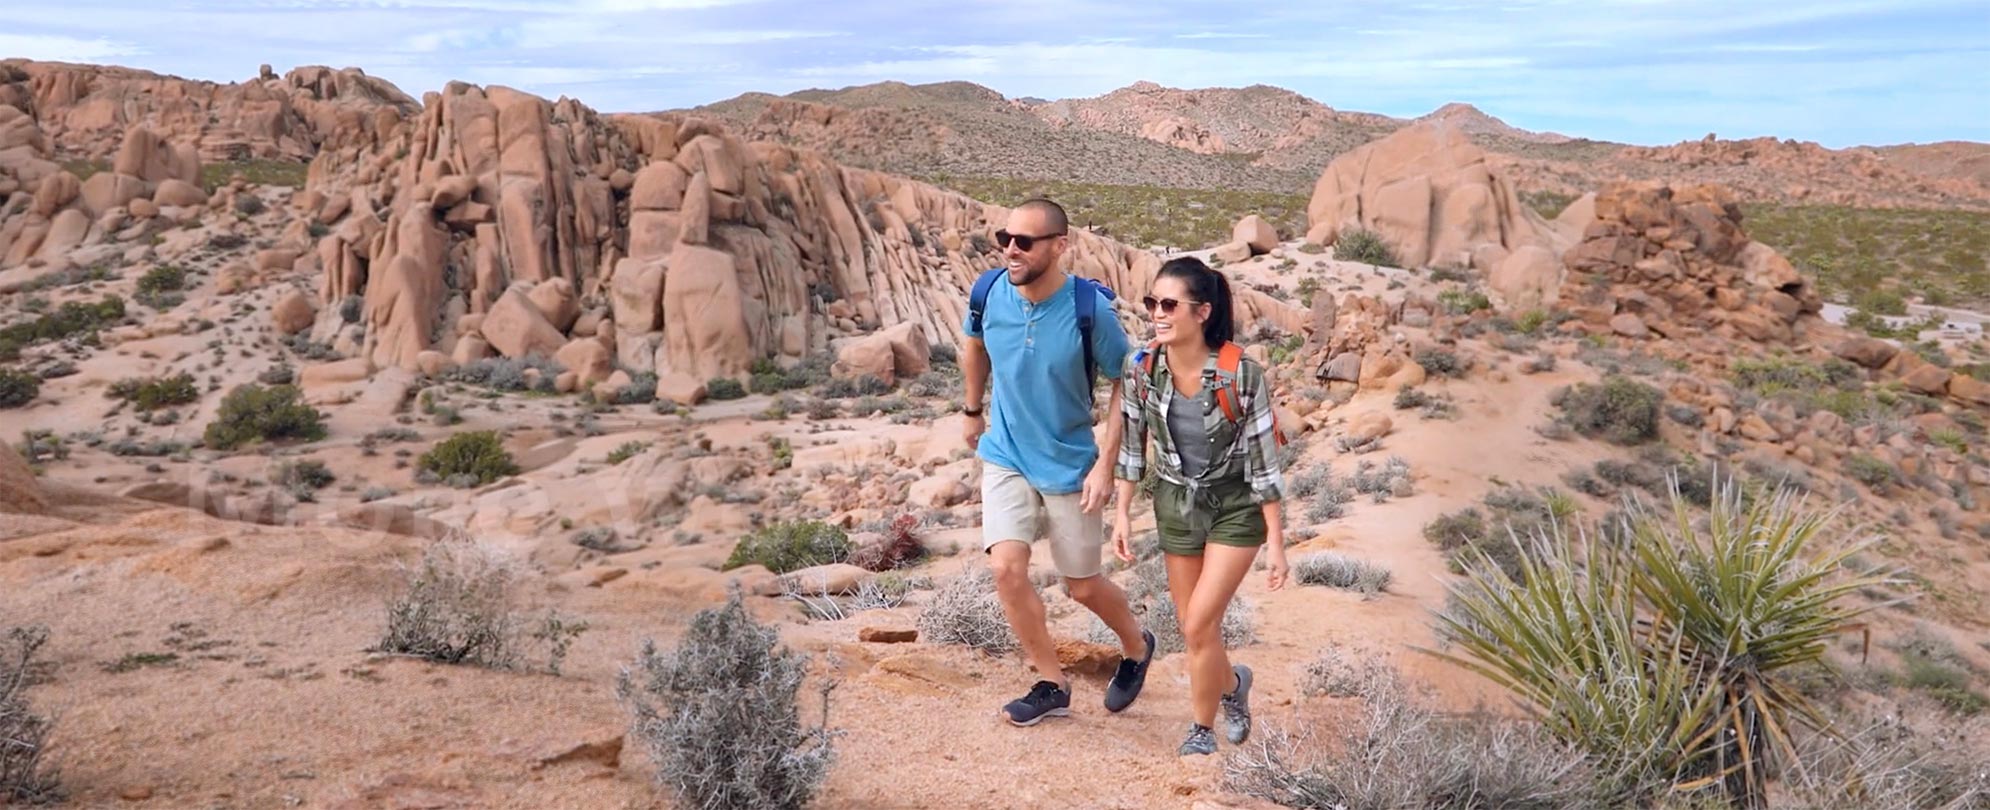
1237	708
1201	740
1131	676
1045	699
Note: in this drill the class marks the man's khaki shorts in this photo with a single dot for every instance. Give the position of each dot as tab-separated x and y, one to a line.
1011	509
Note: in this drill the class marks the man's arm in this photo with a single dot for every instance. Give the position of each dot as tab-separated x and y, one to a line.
974	372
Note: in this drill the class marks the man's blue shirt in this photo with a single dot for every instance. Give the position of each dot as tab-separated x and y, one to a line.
1040	410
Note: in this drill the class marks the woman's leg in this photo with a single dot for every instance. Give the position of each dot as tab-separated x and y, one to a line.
1222	569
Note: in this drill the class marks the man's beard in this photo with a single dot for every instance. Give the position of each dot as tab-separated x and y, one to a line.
1029	277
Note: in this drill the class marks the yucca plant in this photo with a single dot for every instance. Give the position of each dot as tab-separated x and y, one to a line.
1662	655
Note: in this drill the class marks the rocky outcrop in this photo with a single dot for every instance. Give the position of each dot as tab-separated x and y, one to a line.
699	253
20	493
1678	259
1431	195
88	110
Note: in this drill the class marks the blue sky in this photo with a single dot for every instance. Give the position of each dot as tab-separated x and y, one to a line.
1839	72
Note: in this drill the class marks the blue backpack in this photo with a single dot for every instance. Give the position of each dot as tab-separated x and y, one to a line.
977	304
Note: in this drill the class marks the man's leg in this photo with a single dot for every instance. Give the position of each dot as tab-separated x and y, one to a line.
1077	545
1011	512
1010	560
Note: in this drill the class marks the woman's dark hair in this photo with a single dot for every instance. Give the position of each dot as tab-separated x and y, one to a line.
1210	287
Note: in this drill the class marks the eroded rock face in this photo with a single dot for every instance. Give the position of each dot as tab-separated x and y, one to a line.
702	252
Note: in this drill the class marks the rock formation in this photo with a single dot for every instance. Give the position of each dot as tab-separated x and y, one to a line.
87	110
699	253
1432	197
1677	260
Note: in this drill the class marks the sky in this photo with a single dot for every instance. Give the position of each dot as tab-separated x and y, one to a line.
1838	72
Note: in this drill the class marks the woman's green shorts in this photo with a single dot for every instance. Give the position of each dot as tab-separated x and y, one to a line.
1233	517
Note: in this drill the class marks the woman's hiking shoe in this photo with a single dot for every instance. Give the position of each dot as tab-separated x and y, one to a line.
1045	699
1131	676
1201	740
1237	708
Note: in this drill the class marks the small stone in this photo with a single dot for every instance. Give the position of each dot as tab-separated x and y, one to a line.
882	635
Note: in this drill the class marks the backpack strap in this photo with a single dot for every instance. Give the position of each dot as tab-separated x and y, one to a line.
1229	360
1086	294
977	298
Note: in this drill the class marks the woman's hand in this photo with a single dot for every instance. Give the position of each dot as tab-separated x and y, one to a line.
1275	569
1122	530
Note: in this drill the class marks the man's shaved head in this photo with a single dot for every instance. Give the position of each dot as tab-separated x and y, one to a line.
1052	213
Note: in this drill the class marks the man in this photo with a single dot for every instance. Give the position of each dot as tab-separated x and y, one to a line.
1043	474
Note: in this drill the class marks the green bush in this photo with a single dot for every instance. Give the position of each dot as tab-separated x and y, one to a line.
156	287
18	387
1872	471
72	319
252	413
1619	409
719	388
1441	362
153	393
1362	245
476	454
791	546
1463	302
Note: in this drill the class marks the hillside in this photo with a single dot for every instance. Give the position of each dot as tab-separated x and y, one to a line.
1262	138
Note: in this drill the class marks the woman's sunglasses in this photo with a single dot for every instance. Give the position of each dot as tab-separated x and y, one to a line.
1023	243
1165	305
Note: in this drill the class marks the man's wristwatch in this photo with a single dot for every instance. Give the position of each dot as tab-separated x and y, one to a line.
971	411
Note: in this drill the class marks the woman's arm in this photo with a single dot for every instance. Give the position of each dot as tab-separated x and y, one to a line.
1260	438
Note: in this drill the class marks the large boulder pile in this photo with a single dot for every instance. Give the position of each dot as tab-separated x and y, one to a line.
87	110
1675	262
1434	198
500	222
46	212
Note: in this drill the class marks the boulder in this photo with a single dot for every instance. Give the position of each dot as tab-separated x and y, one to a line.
293	313
516	328
1256	234
105	191
1530	277
588	359
174	191
1370	427
20	492
555	299
1231	252
55	192
682	389
1869	352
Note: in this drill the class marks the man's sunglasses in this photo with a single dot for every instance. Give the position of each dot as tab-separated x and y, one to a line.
1166	305
1023	243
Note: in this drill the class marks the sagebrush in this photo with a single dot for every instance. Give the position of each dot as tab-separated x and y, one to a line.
24	776
462	606
718	715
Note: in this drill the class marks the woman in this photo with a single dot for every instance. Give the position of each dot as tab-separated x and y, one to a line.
1208	412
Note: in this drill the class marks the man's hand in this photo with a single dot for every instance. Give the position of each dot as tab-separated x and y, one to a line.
1098	487
971	428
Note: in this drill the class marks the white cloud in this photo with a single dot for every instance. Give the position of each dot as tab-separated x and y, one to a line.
65	49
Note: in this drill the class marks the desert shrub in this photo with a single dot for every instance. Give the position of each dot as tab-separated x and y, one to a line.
1619	409
1365	246
253	413
73	319
153	393
1339	673
18	387
157	287
1338	571
1329	498
1872	471
1400	753
1441	362
597	538
1408	398
718	715
791	546
723	388
966	611
461	606
477	456
1389	478
626	451
249	205
351	308
899	548
508	373
1463	302
24	777
302	478
848	387
1665	656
